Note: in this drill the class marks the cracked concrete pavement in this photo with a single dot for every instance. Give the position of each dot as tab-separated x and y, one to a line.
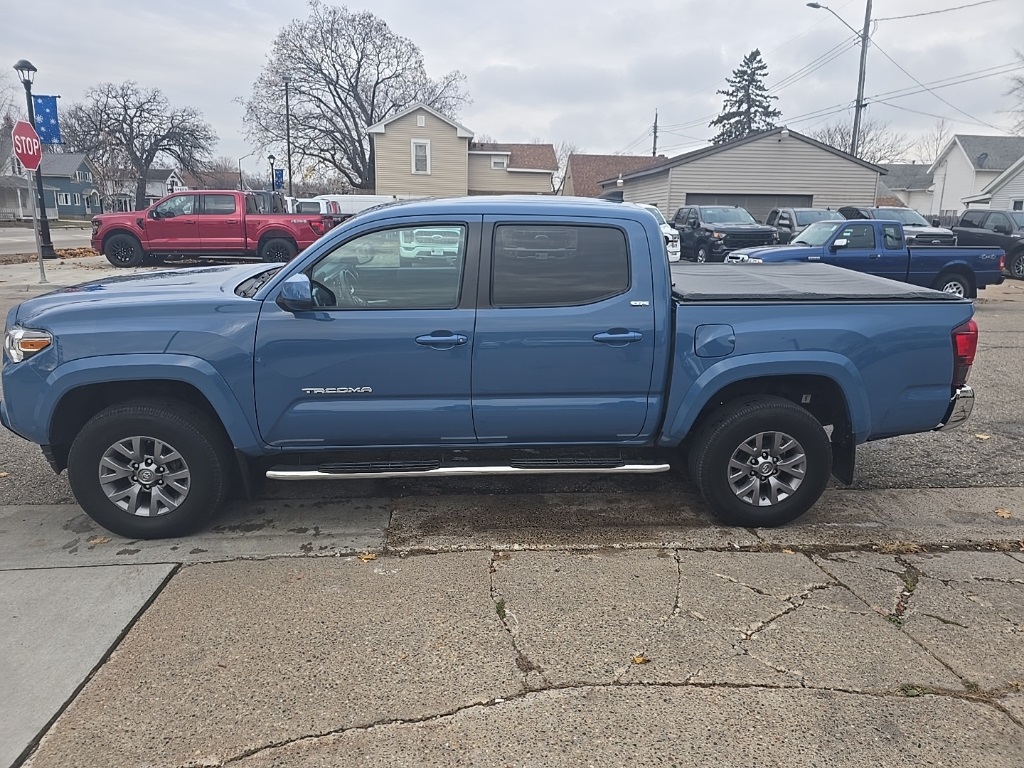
606	657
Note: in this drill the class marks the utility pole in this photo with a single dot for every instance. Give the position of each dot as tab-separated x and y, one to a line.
654	149
859	108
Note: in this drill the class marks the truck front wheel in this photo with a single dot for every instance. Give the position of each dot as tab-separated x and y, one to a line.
277	249
761	462
123	250
150	469
1016	265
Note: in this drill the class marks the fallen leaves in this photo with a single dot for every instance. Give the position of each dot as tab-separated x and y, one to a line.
1004	513
641	659
5	474
983	436
94	540
366	557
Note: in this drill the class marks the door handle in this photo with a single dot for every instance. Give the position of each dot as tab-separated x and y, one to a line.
618	337
442	340
231	221
190	221
875	256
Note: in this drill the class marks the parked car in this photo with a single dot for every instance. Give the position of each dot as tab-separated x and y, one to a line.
792	221
1000	229
210	223
918	230
561	341
671	236
709	232
880	248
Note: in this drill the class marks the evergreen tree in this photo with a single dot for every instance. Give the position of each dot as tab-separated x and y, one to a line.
748	107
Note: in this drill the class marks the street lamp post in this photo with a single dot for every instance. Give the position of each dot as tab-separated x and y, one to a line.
271	158
241	183
864	36
27	74
288	132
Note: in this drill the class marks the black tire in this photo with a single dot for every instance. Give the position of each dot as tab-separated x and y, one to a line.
701	253
1015	265
955	283
123	250
204	454
277	249
727	432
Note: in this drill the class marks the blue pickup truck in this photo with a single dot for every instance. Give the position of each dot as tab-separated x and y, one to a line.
879	247
557	339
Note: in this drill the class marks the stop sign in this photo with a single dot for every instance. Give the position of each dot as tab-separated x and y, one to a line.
27	148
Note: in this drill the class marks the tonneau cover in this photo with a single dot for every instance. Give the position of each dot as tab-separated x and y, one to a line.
790	281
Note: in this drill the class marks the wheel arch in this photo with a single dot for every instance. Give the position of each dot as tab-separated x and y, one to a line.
961	270
121	230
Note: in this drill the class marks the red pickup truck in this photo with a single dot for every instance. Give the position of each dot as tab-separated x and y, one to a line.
211	223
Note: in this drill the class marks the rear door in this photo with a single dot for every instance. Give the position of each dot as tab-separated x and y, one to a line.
998	229
564	346
384	360
221	224
174	225
971	229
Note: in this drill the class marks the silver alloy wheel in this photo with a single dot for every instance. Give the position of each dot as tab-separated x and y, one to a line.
701	256
144	476
1017	266
767	468
954	287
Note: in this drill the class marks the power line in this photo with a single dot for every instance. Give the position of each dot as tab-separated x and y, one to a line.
941	10
944	101
926	114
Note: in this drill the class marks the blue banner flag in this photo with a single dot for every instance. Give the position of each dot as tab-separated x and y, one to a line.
47	124
279	178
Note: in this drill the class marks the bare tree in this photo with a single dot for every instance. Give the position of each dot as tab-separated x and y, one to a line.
12	98
562	151
346	72
219	173
139	127
878	142
930	144
113	175
1017	92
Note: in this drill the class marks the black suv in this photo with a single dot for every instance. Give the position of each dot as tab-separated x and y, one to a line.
1000	229
710	232
792	221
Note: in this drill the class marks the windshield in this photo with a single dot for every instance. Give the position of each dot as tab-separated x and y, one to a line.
803	218
1018	218
817	233
656	211
726	216
904	216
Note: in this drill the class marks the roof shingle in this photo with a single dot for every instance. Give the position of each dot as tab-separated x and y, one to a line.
907	176
61	163
540	157
588	170
992	153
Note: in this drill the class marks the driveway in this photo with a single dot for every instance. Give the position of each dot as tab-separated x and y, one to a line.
22	240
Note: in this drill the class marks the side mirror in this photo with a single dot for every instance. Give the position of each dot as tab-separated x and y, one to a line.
1001	229
842	242
936	223
153	213
296	294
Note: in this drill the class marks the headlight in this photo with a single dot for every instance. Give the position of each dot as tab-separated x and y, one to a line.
754	260
21	343
775	236
718	235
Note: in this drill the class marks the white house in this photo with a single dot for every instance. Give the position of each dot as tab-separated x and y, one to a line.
912	183
967	166
1004	192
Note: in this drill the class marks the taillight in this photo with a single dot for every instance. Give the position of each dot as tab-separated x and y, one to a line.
965	347
317	226
1002	262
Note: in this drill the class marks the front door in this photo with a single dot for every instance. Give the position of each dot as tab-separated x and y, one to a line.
174	225
221	224
384	358
564	345
862	252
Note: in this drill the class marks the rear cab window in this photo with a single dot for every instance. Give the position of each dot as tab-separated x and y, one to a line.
550	265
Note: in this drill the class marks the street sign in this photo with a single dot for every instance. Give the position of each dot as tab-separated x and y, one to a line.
279	178
27	148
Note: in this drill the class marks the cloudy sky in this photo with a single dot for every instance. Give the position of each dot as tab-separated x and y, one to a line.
588	71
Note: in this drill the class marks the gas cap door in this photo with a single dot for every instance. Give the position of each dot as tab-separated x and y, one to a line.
714	341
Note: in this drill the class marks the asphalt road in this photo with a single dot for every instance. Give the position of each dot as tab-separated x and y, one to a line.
987	452
21	239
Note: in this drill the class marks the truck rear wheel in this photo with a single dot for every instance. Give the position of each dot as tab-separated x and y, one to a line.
123	250
277	249
761	462
954	283
150	469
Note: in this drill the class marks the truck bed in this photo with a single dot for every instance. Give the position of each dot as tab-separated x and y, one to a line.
790	282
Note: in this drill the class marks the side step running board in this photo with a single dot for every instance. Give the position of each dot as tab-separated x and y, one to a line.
325	472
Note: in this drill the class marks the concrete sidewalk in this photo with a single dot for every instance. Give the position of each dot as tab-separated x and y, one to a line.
660	656
582	630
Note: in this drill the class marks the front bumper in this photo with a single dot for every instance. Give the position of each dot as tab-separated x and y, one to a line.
960	407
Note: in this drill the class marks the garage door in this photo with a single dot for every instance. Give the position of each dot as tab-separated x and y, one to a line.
758	205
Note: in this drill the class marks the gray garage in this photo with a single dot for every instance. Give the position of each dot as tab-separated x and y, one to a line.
762	171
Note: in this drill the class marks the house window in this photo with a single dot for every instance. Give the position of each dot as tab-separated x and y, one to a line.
1018	205
63	198
421	121
421	156
17	167
83	176
76	199
499	162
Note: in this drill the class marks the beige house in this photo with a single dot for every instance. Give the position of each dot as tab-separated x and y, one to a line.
770	169
420	152
967	166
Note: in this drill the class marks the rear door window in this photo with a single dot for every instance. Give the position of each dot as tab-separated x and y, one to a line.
550	265
973	219
218	204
